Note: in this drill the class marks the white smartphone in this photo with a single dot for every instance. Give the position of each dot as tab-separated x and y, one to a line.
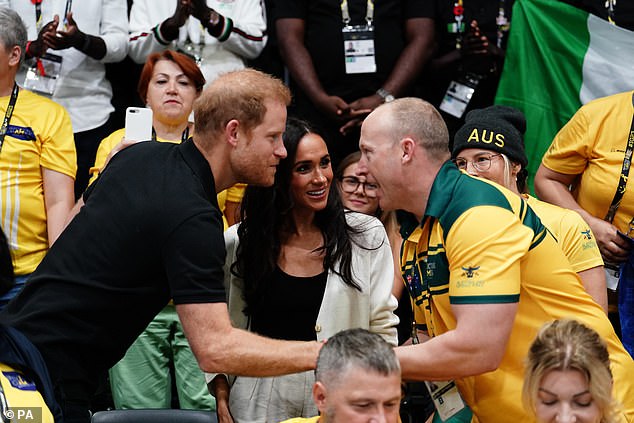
138	124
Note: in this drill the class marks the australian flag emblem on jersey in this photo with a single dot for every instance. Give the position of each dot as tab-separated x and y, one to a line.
21	133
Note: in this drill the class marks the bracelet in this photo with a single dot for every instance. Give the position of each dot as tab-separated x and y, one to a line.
26	49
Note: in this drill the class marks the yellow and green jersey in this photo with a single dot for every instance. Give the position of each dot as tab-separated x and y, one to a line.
479	243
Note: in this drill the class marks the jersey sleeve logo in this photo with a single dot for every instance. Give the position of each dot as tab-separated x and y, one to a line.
21	133
470	272
18	381
586	234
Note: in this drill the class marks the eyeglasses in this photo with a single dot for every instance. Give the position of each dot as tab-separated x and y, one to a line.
481	163
350	184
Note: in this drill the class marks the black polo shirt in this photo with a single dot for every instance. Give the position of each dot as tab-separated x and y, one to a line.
150	230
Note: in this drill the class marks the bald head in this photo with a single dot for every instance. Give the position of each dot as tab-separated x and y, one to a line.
414	118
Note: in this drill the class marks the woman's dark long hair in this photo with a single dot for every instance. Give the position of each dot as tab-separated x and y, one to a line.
267	218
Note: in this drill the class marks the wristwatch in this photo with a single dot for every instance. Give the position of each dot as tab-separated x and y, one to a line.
385	95
214	18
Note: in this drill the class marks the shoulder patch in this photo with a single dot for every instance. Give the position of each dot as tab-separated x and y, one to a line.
21	133
18	381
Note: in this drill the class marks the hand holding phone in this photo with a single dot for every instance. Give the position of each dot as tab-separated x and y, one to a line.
138	124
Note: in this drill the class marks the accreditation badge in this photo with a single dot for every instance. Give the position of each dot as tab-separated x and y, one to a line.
42	74
459	95
446	397
358	46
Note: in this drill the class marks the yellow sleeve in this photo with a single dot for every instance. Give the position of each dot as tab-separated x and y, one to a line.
572	147
58	148
578	242
107	144
484	248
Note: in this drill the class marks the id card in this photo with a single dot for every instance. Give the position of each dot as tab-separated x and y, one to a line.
446	397
457	97
358	46
612	273
42	74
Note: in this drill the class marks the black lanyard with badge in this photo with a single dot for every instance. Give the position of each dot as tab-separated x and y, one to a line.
7	115
460	91
43	72
358	41
612	270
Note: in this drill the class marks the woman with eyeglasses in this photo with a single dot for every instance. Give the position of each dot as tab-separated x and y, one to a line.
300	267
490	145
358	193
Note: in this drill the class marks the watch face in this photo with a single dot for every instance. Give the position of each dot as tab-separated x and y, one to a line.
389	98
214	18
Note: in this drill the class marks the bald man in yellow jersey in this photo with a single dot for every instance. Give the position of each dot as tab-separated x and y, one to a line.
483	271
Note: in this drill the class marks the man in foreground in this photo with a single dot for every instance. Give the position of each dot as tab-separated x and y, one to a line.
149	229
481	268
357	380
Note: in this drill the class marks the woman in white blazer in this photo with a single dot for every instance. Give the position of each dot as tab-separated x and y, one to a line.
299	267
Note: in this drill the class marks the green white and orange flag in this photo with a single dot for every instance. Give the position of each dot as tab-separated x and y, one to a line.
559	58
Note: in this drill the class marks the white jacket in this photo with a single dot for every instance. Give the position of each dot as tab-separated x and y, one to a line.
243	36
343	307
82	87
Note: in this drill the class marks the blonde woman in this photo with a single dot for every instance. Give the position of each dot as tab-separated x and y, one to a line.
568	376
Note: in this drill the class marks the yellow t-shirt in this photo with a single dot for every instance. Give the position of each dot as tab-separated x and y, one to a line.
39	136
481	244
234	193
573	234
22	397
592	144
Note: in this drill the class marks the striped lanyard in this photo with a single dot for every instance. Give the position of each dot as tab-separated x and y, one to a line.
38	13
369	12
458	15
609	4
502	24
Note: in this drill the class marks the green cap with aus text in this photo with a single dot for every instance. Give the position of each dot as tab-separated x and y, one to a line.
496	128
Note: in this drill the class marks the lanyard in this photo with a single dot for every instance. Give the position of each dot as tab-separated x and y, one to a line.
458	15
369	12
625	170
38	13
609	4
8	113
502	24
4	406
417	274
184	136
